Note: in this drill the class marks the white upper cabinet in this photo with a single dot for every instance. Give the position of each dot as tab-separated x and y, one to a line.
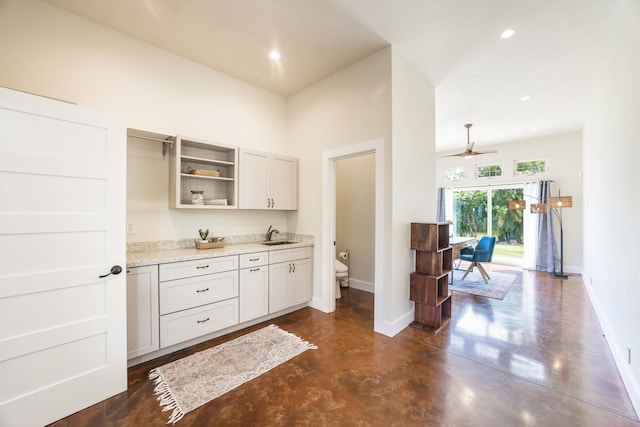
268	181
203	171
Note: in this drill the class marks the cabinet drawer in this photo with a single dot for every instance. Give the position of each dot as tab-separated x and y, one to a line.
286	255
200	267
256	259
182	294
188	324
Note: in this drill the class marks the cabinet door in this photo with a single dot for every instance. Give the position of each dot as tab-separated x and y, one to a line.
142	311
279	278
254	182
254	293
301	283
284	182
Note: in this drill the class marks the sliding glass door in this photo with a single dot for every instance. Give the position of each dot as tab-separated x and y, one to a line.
481	212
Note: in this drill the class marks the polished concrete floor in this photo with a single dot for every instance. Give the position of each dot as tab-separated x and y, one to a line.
536	358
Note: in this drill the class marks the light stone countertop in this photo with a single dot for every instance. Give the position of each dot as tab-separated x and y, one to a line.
159	256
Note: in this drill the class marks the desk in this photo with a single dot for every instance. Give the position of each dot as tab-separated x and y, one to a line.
457	243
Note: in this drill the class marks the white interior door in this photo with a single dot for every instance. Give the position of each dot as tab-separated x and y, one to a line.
62	225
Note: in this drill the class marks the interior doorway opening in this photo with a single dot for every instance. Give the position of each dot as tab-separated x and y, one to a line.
328	288
355	219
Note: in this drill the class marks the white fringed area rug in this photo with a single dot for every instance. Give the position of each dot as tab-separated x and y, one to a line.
190	382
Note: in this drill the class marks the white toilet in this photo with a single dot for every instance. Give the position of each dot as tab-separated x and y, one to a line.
342	276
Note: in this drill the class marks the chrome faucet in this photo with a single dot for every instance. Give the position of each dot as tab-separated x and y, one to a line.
270	232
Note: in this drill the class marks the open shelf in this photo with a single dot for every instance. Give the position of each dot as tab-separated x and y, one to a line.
215	178
429	284
188	154
430	237
204	161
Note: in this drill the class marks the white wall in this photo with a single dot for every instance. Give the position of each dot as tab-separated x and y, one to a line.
353	106
413	184
611	202
51	52
355	217
349	107
563	154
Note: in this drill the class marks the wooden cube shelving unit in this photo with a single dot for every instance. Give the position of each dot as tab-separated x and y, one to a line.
430	282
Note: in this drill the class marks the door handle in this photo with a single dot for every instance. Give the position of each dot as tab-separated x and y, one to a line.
115	270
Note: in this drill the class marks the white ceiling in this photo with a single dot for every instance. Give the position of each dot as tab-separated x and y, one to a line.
554	56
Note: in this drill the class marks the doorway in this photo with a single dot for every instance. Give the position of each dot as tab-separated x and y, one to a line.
329	159
355	218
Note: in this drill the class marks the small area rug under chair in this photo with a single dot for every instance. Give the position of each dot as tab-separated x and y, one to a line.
192	381
498	286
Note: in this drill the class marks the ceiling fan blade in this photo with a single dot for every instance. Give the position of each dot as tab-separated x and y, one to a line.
469	152
456	155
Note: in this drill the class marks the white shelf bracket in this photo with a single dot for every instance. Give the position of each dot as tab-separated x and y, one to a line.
167	145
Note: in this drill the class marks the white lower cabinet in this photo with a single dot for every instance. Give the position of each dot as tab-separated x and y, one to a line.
174	302
289	278
197	298
142	311
254	286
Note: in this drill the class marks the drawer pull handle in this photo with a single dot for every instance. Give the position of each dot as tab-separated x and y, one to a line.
202	266
202	290
294	267
205	320
289	268
254	269
254	259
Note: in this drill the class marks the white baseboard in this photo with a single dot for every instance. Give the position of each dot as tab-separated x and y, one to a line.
391	329
630	382
361	285
319	304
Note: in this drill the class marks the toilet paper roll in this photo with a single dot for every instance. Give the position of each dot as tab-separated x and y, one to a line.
343	256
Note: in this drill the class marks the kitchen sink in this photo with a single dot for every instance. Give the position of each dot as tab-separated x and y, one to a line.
278	243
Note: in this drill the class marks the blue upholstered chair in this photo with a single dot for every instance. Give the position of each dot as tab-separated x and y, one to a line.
483	252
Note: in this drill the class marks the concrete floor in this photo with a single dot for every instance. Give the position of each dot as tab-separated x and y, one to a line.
536	358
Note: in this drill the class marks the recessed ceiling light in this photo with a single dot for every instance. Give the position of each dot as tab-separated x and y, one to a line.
533	129
525	98
275	55
507	33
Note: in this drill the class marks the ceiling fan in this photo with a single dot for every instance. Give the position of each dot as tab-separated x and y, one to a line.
469	152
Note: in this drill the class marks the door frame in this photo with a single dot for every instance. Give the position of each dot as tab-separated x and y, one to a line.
329	159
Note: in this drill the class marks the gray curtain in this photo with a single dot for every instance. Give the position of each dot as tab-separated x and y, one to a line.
441	213
547	252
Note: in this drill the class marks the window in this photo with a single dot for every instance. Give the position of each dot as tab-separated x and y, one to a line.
488	171
531	167
485	211
454	174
